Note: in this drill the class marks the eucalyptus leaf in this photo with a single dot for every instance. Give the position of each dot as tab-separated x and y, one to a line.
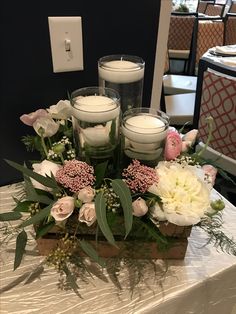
41	231
21	241
22	206
100	170
10	216
100	207
71	280
37	217
41	179
91	252
122	190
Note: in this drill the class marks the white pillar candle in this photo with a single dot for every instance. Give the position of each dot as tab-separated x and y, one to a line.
121	71
145	129
95	109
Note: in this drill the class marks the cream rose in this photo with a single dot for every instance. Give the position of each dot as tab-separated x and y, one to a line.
86	195
63	208
44	168
185	196
139	207
62	110
87	213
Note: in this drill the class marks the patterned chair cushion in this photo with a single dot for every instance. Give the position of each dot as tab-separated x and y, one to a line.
180	32
232	9
219	101
214	10
210	34
230	31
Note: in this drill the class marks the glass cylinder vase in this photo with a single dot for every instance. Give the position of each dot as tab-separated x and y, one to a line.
96	125
125	74
144	132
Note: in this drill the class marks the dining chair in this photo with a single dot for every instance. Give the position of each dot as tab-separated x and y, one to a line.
216	97
201	6
177	84
230	29
180	37
232	8
214	9
210	33
176	101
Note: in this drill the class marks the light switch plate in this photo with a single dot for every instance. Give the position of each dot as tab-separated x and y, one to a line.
66	43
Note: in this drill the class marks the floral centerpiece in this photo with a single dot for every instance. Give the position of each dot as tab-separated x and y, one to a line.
73	200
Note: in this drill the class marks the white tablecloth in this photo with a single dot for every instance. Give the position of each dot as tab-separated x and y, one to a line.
204	282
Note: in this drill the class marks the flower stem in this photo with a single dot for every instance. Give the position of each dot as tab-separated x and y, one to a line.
44	146
210	129
62	159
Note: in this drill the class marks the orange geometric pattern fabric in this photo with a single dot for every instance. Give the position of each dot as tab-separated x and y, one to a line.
201	6
210	34
213	10
219	101
232	9
230	31
180	32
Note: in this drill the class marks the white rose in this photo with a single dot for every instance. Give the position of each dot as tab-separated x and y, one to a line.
87	214
185	196
96	136
63	208
45	126
139	207
157	213
44	168
86	194
190	136
62	110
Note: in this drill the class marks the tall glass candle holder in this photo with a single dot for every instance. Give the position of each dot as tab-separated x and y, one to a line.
96	125
125	74
143	135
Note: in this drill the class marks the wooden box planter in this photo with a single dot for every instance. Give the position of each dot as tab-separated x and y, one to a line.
130	248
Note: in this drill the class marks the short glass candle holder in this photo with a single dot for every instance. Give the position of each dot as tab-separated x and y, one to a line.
96	125
125	74
144	132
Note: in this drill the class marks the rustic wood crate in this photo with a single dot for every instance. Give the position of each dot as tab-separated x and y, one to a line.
129	248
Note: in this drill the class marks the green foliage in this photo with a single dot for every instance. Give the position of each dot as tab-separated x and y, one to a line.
38	217
122	190
99	171
91	252
100	206
41	179
10	216
44	229
21	241
216	236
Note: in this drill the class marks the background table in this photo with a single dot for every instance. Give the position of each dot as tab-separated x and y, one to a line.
204	282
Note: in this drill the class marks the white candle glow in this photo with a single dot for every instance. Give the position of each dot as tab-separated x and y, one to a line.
95	109
121	71
145	129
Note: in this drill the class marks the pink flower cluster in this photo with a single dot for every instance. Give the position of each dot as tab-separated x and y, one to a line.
75	175
139	177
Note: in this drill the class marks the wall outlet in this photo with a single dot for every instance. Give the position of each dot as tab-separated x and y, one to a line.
66	43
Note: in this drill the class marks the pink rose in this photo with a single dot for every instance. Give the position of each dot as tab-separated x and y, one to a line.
45	126
86	194
211	173
87	214
63	208
139	207
173	145
30	118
